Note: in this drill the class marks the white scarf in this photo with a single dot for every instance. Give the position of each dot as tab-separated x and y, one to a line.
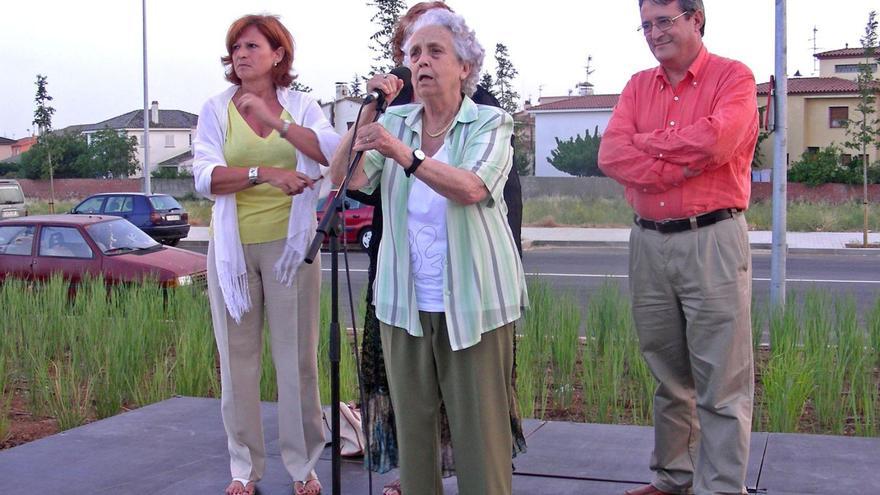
228	250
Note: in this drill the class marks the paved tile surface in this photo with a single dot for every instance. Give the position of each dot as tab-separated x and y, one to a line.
178	447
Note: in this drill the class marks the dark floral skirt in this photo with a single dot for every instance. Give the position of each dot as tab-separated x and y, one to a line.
383	453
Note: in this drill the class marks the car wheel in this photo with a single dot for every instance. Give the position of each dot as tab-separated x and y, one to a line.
365	237
172	242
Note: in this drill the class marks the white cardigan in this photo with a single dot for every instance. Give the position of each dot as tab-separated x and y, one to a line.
208	154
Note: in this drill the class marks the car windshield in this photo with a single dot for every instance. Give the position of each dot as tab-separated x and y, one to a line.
119	236
10	195
164	203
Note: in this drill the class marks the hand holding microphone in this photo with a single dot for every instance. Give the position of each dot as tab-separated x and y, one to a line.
384	88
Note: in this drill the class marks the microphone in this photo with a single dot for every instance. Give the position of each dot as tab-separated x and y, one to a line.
402	73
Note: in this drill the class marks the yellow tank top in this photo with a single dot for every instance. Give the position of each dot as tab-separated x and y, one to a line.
263	210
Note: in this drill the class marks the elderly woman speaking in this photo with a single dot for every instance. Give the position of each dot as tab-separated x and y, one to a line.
449	283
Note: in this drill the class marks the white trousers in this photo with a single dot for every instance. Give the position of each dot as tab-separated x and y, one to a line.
292	314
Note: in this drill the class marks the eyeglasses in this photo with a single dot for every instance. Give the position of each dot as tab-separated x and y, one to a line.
662	23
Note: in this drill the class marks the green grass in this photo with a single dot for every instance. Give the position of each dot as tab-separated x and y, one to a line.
602	212
92	356
42	207
556	211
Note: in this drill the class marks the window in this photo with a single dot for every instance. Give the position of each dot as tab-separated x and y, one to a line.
91	205
17	240
838	117
119	204
851	68
63	242
169	140
812	150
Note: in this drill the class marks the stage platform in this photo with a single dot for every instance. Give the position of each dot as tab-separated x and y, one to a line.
179	447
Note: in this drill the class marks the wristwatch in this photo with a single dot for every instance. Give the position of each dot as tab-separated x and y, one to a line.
254	175
418	157
285	127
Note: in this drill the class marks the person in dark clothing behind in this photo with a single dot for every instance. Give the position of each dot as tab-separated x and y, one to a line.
383	440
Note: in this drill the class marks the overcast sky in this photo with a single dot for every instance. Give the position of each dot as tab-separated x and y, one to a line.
91	49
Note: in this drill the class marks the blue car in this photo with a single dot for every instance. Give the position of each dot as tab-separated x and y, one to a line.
159	215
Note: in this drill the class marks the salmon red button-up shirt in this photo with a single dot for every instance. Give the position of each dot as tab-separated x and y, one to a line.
707	123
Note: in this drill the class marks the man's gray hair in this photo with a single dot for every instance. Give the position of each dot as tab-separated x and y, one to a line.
689	6
464	40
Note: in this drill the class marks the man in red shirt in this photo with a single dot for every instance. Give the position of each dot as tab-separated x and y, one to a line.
681	140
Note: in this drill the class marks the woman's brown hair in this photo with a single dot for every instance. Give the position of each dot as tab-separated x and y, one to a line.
278	35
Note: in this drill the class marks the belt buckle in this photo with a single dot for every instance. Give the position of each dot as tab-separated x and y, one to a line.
662	224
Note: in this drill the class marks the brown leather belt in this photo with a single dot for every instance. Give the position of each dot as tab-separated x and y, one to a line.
683	224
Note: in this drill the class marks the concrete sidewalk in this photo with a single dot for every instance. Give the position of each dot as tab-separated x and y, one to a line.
798	242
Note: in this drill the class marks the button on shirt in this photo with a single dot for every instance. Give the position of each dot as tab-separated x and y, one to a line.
707	123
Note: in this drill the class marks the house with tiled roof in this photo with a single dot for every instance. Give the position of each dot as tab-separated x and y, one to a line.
6	147
819	107
564	118
11	149
171	135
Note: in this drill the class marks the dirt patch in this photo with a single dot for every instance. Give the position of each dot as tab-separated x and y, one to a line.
25	426
856	245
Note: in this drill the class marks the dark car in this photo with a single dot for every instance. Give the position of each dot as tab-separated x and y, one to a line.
358	220
159	215
33	248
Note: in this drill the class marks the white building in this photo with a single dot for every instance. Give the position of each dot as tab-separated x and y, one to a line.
342	112
171	135
565	118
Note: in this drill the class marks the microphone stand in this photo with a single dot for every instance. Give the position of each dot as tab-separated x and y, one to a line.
331	225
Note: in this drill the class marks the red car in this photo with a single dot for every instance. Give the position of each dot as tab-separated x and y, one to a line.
358	220
35	247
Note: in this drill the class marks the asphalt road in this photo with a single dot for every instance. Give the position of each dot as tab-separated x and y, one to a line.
581	270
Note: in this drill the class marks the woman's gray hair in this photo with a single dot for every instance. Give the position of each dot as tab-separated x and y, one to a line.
464	40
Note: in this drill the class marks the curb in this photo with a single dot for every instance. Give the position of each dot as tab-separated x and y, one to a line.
184	243
529	244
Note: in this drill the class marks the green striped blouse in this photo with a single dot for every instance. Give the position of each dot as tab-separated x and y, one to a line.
484	284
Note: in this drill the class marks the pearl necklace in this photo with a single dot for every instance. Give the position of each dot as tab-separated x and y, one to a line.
441	131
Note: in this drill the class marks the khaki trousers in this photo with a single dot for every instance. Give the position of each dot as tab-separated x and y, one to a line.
292	314
474	384
691	296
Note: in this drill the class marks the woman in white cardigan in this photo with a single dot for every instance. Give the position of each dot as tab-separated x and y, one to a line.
259	148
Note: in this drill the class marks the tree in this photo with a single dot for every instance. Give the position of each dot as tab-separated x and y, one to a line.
504	75
523	149
758	157
824	166
73	157
171	173
578	155
488	83
385	18
354	86
110	153
43	121
69	154
298	86
865	130
43	113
